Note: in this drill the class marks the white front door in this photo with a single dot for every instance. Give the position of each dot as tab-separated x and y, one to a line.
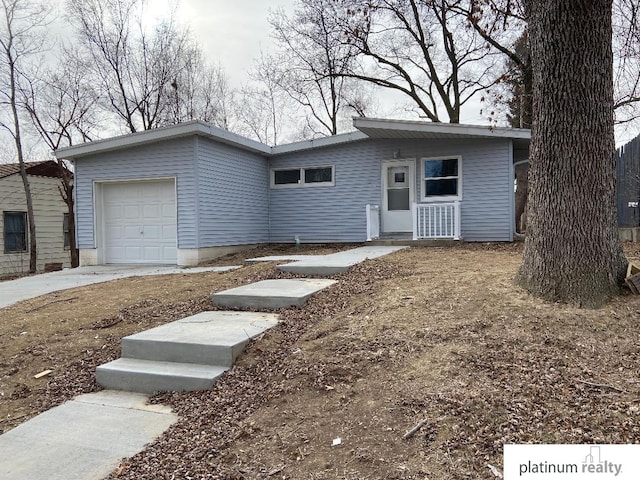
398	186
139	222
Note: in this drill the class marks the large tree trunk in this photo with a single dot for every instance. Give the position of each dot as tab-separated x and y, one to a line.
572	252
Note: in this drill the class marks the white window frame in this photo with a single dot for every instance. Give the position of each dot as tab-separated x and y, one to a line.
302	183
423	178
26	231
66	233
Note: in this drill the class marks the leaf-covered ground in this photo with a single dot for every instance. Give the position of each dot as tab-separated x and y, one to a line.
438	336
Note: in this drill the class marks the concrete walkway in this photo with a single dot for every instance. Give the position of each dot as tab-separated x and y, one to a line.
336	262
14	291
83	439
282	258
86	438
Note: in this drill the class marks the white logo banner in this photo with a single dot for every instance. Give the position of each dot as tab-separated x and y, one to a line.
568	462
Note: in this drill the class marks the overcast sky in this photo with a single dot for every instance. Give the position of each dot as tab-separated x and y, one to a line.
232	32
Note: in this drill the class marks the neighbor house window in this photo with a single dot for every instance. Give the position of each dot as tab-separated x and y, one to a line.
302	176
15	232
441	179
65	230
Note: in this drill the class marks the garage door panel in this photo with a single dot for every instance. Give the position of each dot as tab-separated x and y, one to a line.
132	212
139	221
132	233
115	252
114	233
152	212
113	211
133	252
153	233
168	210
150	253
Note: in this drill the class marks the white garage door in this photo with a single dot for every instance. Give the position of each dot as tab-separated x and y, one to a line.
139	222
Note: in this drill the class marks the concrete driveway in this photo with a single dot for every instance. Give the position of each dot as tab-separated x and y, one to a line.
14	291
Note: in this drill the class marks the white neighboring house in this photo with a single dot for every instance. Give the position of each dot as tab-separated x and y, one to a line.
50	212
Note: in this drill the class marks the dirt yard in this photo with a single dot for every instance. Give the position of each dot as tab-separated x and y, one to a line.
432	336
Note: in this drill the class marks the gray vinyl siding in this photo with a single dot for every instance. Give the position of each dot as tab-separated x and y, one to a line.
233	195
337	213
171	158
332	213
48	210
224	195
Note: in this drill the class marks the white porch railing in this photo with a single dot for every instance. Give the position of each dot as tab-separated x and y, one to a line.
436	220
373	222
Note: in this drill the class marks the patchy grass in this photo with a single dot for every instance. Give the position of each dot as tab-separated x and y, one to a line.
426	334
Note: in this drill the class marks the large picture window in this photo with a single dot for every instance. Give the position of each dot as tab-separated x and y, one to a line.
441	179
302	177
15	232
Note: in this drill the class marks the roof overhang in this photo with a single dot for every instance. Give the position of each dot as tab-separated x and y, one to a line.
319	142
366	128
407	129
160	134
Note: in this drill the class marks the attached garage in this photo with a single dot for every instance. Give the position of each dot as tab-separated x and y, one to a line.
138	221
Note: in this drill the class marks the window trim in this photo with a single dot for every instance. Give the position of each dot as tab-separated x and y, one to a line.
66	233
4	232
423	178
302	184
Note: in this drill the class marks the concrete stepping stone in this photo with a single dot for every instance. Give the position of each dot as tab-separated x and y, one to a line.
279	293
282	258
208	338
148	376
82	439
185	355
337	262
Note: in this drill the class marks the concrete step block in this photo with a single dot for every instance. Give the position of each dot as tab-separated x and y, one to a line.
147	376
208	338
337	262
280	293
324	269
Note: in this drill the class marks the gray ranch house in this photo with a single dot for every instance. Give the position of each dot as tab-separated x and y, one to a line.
190	192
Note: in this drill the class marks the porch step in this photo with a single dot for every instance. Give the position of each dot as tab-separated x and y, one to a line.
271	293
208	338
147	376
337	262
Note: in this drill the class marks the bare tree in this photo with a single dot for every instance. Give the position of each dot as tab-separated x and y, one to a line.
21	38
572	251
626	49
134	65
60	105
202	92
503	25
263	103
421	48
314	60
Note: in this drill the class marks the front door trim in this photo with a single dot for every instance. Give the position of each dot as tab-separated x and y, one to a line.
394	220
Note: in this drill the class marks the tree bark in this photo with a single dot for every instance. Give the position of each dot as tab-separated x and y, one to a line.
572	251
66	192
